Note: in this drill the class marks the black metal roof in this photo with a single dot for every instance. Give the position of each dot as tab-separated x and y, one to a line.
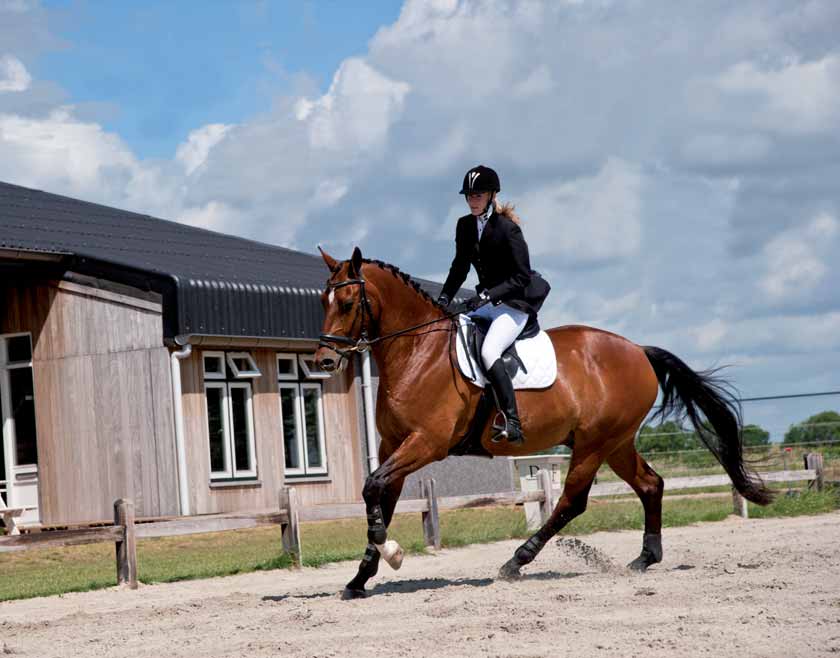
212	283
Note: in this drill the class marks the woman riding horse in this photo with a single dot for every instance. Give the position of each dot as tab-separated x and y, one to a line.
604	390
490	239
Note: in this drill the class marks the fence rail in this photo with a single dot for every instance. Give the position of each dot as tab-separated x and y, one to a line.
125	530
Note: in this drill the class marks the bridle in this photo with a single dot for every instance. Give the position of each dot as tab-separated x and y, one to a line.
363	343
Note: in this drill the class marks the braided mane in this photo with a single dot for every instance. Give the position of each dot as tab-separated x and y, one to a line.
411	283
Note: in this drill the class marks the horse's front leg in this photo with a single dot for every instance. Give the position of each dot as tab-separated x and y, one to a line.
370	562
381	491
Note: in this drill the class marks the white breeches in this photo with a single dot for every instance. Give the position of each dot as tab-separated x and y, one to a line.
508	323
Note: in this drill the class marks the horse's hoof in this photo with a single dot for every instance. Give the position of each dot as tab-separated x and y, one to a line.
509	571
392	553
641	563
349	594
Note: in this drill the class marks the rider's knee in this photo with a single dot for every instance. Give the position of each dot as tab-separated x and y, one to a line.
489	355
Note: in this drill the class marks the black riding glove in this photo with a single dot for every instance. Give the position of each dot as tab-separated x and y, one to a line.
478	300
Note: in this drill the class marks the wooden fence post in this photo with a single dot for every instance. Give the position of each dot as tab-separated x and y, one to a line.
739	503
291	530
547	486
814	461
431	519
127	548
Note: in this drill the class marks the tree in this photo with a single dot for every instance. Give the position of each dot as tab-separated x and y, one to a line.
753	435
824	426
667	437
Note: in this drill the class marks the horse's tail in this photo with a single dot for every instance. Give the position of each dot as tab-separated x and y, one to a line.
691	395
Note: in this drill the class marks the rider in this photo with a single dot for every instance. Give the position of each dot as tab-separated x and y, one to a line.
490	239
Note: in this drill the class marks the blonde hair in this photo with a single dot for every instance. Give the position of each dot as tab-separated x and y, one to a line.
507	209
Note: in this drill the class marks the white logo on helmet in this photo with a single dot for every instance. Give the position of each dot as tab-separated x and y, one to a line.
473	176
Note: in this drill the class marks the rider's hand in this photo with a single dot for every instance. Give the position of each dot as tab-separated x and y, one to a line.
443	300
478	300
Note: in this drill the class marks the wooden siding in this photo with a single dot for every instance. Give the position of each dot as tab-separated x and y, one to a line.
343	441
103	399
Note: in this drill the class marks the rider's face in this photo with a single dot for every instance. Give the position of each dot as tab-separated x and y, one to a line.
478	202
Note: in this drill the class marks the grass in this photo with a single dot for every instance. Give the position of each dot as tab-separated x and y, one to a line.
79	568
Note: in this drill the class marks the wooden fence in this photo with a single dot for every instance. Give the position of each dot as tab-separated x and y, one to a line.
125	530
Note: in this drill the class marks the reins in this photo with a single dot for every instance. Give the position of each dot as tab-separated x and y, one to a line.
363	343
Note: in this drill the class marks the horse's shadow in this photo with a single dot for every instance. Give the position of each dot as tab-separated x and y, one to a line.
412	586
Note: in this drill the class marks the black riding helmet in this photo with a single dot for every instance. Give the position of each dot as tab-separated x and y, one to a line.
480	179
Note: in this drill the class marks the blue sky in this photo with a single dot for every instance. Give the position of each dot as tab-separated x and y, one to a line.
675	164
151	71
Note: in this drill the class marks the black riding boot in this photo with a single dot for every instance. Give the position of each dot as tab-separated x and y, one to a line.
506	400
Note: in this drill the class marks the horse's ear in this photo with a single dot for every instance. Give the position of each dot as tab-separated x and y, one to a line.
356	261
331	262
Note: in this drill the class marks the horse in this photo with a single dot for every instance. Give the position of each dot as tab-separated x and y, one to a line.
606	386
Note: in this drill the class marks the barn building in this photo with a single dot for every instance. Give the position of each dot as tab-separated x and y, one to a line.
148	359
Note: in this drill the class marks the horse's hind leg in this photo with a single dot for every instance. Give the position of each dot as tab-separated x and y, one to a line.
649	487
572	503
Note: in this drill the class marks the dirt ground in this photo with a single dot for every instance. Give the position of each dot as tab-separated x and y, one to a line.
735	588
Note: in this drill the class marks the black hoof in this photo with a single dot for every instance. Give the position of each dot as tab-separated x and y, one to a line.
510	571
651	553
640	564
349	594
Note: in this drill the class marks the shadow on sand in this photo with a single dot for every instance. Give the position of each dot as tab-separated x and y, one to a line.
425	584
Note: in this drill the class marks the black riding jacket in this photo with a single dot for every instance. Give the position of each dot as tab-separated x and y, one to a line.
501	261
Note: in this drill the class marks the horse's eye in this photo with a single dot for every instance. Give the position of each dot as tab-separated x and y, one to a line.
346	306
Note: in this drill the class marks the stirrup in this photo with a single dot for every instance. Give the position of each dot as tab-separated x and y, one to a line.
499	432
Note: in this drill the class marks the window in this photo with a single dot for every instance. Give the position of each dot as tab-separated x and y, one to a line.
17	400
302	415
230	415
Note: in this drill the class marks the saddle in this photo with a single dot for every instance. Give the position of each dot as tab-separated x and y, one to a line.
530	362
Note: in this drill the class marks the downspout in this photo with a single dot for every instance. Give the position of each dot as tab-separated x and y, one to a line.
183	484
370	424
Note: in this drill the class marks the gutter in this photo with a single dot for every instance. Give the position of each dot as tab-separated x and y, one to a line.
178	407
370	424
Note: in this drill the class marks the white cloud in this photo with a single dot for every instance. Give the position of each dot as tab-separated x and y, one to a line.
13	74
193	153
796	259
588	219
356	112
214	216
798	97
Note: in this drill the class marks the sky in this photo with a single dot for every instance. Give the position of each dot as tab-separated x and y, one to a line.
675	165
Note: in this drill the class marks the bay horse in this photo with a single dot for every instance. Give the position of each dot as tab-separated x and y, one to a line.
605	388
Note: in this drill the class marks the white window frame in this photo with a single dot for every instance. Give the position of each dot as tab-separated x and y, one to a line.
287	376
310	374
298	383
313	470
8	433
251	373
214	355
298	441
231	470
226	431
249	428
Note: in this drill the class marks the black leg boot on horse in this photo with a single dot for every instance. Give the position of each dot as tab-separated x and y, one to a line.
506	403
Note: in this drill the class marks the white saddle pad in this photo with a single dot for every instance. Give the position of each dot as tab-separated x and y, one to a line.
537	354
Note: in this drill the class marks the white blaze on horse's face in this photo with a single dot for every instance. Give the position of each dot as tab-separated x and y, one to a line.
331	297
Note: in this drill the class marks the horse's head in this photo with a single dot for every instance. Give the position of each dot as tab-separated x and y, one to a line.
350	305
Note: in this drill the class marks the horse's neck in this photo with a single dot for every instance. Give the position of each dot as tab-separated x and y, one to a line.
403	308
